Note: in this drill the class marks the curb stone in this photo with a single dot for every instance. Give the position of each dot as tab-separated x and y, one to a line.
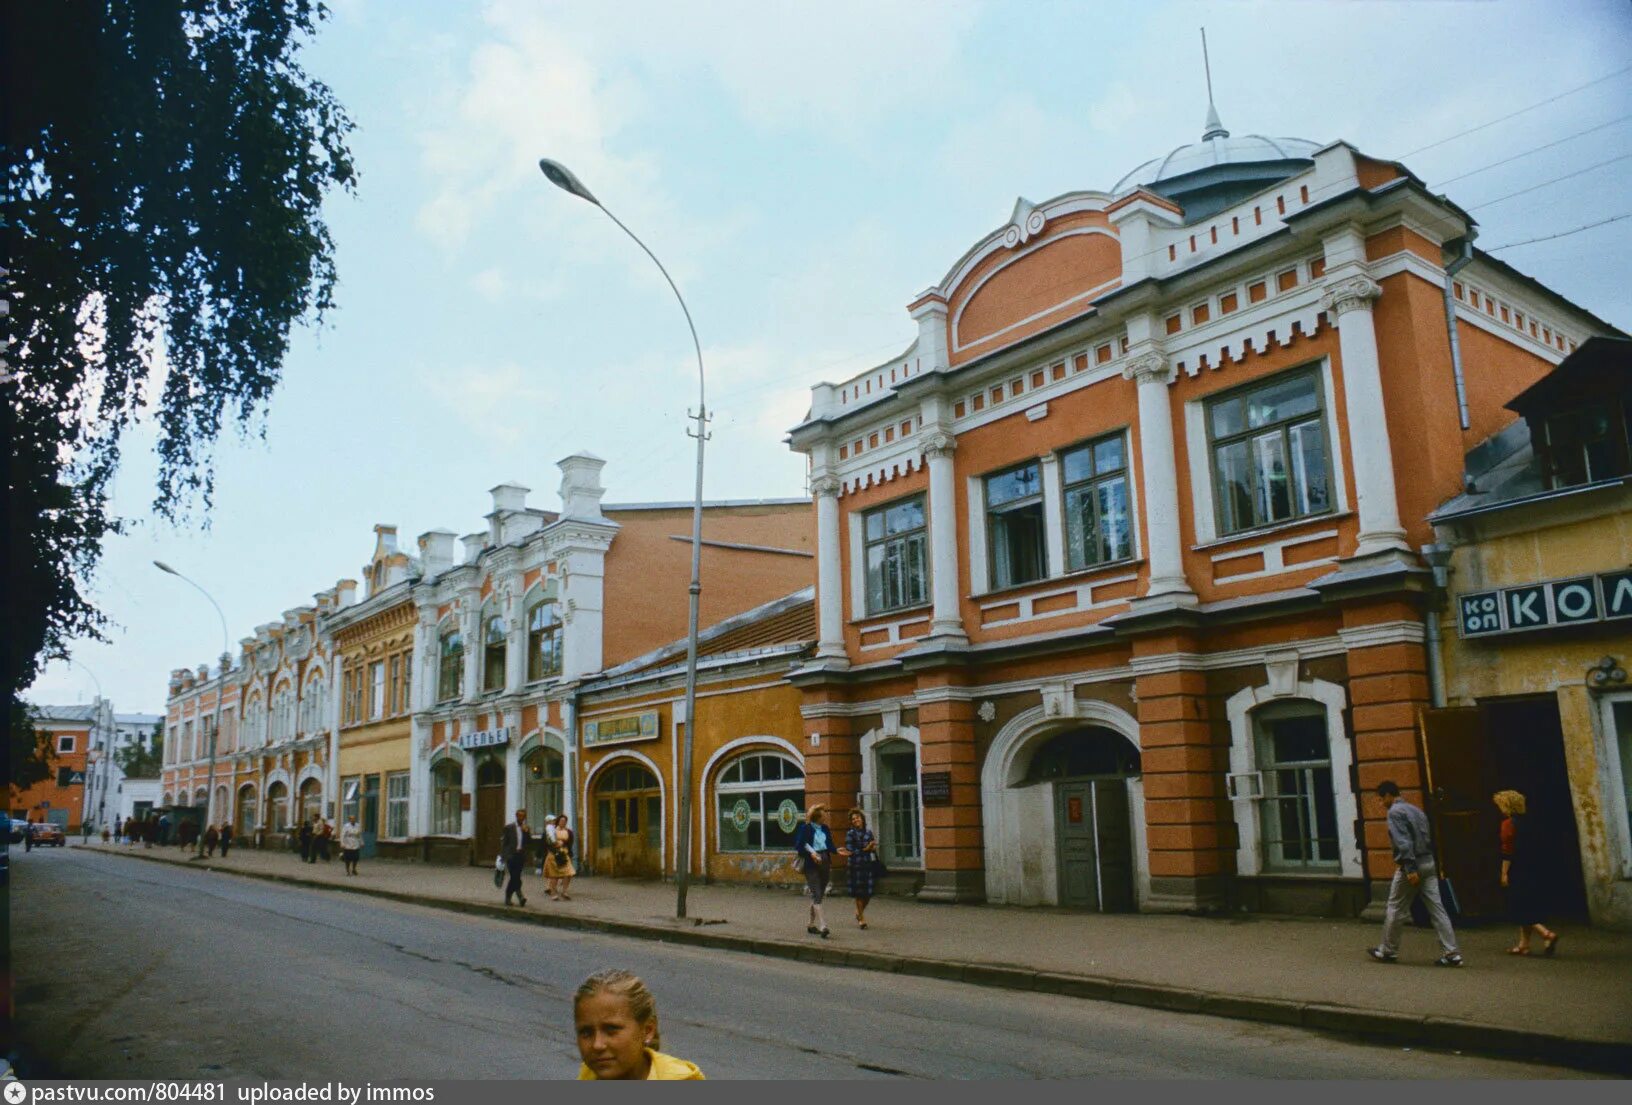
1400	1028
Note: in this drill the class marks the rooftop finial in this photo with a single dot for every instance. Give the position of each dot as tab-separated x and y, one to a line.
1213	128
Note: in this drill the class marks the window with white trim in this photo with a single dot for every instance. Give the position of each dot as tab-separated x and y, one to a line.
495	646
65	742
1298	805
1098	508
1014	526
396	805
543	640
350	799
761	797
451	660
1270	458
895	540
376	690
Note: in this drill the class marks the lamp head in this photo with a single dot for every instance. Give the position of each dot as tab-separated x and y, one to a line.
564	179
163	567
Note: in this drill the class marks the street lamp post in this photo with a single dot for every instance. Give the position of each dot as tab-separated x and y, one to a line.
564	179
220	693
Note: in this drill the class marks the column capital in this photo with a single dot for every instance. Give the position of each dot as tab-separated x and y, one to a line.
826	486
1352	293
939	443
1151	366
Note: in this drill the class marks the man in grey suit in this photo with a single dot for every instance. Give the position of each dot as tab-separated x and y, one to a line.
1415	873
513	850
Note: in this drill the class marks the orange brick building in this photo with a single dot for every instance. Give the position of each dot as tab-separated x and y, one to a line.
60	797
1118	599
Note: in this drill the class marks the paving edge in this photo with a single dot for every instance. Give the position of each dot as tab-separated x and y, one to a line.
1378	1025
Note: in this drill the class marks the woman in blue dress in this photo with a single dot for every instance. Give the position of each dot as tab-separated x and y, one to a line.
861	848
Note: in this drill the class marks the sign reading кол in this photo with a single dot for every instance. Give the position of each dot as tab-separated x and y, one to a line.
1555	602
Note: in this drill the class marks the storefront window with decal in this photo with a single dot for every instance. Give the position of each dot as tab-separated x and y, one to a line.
761	797
1270	459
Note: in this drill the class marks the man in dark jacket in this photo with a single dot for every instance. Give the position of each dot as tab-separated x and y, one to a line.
1415	873
226	838
513	850
306	842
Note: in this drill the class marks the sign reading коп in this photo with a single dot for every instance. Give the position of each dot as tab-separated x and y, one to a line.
1555	602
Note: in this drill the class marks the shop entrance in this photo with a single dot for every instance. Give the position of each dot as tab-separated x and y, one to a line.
629	822
490	816
1502	744
1093	825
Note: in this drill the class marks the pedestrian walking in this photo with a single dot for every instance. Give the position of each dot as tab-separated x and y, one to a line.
813	844
558	868
323	837
861	849
1415	873
615	1017
351	843
513	851
105	834
547	839
212	837
226	838
1523	875
164	829
305	841
150	831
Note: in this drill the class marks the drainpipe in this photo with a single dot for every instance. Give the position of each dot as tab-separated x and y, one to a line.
1438	557
1455	266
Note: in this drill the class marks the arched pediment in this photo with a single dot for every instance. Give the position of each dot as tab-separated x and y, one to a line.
1015	294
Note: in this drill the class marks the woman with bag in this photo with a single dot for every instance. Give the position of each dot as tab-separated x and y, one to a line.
1523	872
813	844
558	868
861	849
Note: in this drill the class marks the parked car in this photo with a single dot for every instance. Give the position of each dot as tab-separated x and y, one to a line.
48	832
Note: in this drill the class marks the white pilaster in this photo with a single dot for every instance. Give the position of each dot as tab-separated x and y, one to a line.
1053	518
829	579
1347	300
1152	373
467	783
946	619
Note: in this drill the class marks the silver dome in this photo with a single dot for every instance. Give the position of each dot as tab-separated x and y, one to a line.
1216	148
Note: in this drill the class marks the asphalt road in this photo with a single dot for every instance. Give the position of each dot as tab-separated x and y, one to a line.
126	969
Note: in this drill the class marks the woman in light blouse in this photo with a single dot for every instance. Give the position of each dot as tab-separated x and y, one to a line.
813	844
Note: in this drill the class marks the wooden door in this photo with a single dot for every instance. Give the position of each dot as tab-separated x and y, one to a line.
1456	755
629	823
1113	853
1074	839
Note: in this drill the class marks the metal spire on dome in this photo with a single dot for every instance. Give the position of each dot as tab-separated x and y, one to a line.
1213	128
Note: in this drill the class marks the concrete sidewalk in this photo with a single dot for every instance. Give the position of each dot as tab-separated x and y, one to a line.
1575	1008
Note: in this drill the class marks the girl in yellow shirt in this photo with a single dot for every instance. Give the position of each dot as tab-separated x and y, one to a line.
616	1019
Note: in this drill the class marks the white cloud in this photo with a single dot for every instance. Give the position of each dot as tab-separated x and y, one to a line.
493	401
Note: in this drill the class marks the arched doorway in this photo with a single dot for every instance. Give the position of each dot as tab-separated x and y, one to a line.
628	822
1088	769
447	792
311	800
490	812
246	812
277	807
544	777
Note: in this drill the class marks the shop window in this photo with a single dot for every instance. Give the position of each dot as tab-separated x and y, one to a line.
1269	453
1014	526
544	785
761	797
1098	517
896	557
1588	444
447	787
1298	804
494	648
277	807
451	665
897	821
396	805
543	641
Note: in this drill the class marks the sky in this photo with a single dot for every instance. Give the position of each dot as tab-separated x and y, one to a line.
803	171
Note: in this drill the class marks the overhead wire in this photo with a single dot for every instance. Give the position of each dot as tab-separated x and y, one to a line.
1562	233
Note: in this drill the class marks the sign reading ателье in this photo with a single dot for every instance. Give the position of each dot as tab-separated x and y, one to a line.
1545	605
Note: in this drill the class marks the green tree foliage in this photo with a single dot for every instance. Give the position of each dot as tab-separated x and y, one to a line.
142	763
165	167
29	751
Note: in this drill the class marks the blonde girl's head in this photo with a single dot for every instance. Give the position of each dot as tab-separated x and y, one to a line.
1509	802
615	1017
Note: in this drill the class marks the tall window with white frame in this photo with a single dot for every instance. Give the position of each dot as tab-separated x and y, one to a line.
543	641
396	805
896	556
1298	804
494	648
1270	458
1098	515
376	690
1014	526
451	665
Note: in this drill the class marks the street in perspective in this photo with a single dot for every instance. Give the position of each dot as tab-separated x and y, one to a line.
739	541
